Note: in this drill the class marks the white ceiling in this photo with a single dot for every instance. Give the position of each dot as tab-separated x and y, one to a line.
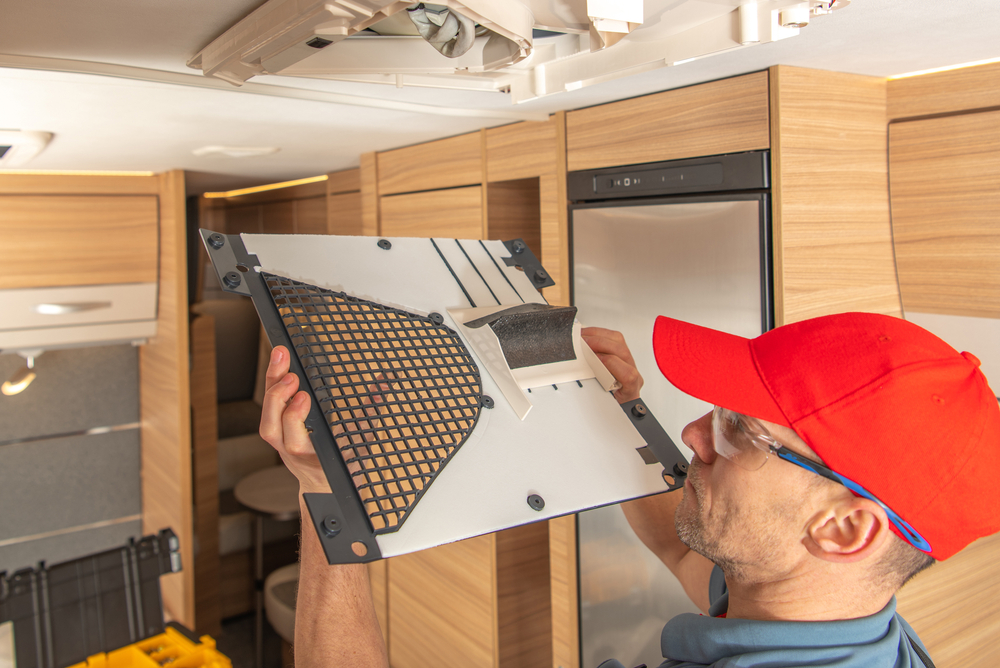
103	122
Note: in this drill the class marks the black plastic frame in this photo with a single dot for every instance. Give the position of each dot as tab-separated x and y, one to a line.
64	613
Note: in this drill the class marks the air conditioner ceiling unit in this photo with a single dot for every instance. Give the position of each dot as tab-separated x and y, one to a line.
586	41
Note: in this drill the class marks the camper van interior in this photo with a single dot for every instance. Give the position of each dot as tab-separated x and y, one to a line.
133	382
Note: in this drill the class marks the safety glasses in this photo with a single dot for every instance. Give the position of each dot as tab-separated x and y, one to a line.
744	441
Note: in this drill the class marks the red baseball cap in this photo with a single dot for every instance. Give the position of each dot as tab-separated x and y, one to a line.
880	400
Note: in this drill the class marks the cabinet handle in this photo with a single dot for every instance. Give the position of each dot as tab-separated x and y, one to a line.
70	307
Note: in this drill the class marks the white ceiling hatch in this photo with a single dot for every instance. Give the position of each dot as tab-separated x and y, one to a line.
529	48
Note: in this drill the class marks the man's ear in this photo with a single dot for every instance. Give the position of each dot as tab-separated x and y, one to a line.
850	529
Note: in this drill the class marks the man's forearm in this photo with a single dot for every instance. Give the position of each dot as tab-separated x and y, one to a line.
335	622
652	520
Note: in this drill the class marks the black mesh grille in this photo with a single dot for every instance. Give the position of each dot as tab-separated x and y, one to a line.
400	393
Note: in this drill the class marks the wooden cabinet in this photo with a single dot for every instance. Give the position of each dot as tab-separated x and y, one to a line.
55	241
946	213
457	213
832	240
726	116
446	163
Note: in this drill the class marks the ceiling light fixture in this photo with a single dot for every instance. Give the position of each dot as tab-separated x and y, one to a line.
235	151
21	146
269	186
947	68
23	377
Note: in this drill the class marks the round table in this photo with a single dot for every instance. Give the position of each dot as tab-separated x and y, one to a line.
271	493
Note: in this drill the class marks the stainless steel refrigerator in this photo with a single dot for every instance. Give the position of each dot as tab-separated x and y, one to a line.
689	239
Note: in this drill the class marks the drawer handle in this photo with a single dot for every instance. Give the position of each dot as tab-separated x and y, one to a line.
71	307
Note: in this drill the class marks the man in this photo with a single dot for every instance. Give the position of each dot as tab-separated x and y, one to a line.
844	455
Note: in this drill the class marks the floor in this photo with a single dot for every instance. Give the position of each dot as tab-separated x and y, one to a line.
237	642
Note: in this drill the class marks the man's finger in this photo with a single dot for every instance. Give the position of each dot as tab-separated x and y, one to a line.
277	366
276	400
296	436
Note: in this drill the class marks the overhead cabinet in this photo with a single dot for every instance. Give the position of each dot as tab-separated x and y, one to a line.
77	269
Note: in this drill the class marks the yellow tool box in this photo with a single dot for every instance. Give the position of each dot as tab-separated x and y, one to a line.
171	648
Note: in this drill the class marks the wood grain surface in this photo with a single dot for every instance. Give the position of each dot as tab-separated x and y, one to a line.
205	471
832	236
310	215
443	606
945	180
78	184
62	240
565	596
369	195
446	163
945	92
165	405
524	603
954	607
346	181
514	212
723	116
521	150
455	213
344	214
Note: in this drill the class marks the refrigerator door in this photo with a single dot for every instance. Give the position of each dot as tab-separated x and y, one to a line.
698	261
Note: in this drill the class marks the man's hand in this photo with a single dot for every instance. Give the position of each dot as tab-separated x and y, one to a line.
612	350
281	423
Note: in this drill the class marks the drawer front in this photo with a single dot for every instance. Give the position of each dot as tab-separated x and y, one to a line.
34	308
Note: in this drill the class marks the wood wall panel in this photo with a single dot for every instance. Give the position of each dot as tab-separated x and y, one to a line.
205	463
945	92
278	217
344	214
346	181
310	215
724	116
78	184
442	606
954	608
524	607
302	191
456	213
832	236
369	195
51	241
165	405
945	185
564	592
514	212
244	220
521	150
446	163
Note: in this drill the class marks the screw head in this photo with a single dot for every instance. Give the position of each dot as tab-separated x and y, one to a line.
331	527
536	502
487	401
232	279
541	276
384	244
518	247
640	411
216	240
436	318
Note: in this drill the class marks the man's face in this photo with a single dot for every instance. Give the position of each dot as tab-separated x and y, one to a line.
747	522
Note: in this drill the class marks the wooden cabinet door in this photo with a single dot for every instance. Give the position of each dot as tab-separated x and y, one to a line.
63	240
446	163
455	213
945	187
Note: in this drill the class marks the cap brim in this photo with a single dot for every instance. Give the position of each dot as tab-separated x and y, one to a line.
715	367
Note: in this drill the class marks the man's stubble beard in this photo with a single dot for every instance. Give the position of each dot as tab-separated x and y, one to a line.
738	557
